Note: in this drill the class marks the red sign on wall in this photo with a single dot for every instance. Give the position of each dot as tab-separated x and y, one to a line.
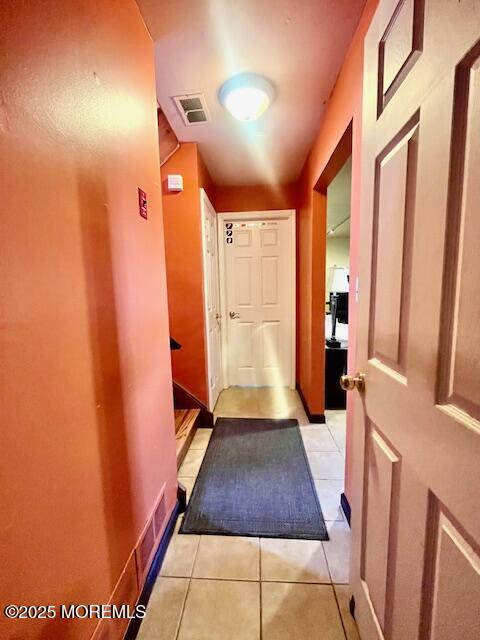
142	203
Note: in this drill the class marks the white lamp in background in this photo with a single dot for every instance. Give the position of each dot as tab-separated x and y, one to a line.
247	96
337	283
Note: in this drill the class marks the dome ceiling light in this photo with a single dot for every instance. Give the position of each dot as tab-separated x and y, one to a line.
247	96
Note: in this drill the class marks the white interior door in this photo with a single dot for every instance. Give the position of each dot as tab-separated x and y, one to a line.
259	299
211	294
415	567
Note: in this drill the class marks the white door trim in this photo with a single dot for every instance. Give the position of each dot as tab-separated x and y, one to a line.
204	199
243	216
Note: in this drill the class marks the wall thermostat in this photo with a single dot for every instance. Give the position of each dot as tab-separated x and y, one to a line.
175	182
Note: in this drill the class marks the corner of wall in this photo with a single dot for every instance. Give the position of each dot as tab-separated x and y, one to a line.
184	264
341	108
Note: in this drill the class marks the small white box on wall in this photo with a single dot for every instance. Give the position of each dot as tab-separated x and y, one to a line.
175	182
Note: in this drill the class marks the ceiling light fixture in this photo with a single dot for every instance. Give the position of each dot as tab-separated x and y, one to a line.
247	96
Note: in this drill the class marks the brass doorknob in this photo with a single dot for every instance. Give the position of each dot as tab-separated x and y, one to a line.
353	382
233	315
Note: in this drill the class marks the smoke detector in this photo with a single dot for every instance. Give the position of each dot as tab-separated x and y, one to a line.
193	108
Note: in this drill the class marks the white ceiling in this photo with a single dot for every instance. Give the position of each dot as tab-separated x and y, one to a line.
338	202
298	44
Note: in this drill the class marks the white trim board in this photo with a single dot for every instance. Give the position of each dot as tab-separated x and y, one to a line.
212	397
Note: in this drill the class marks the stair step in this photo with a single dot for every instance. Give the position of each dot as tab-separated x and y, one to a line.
185	427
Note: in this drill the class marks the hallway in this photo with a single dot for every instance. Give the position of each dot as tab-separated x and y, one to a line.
220	587
199	197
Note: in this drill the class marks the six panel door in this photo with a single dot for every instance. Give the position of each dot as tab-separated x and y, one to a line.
259	279
415	565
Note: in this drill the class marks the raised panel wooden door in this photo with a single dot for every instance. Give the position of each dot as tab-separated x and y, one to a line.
415	563
259	295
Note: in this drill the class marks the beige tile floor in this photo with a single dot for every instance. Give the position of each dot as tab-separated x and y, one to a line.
238	588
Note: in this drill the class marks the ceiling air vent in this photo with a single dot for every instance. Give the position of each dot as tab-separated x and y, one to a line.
193	108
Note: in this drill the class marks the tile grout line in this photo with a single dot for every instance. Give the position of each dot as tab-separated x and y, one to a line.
339	612
341	451
321	582
182	612
180	617
326	558
260	584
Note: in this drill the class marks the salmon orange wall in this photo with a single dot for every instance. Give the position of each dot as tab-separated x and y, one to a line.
344	106
86	402
204	179
255	197
183	247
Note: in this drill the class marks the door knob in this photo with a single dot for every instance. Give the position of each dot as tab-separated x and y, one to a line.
233	315
353	382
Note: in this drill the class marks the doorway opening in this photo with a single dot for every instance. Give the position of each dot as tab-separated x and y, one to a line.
332	197
332	301
337	276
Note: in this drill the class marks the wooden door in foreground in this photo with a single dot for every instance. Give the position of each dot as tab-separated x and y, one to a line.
415	566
